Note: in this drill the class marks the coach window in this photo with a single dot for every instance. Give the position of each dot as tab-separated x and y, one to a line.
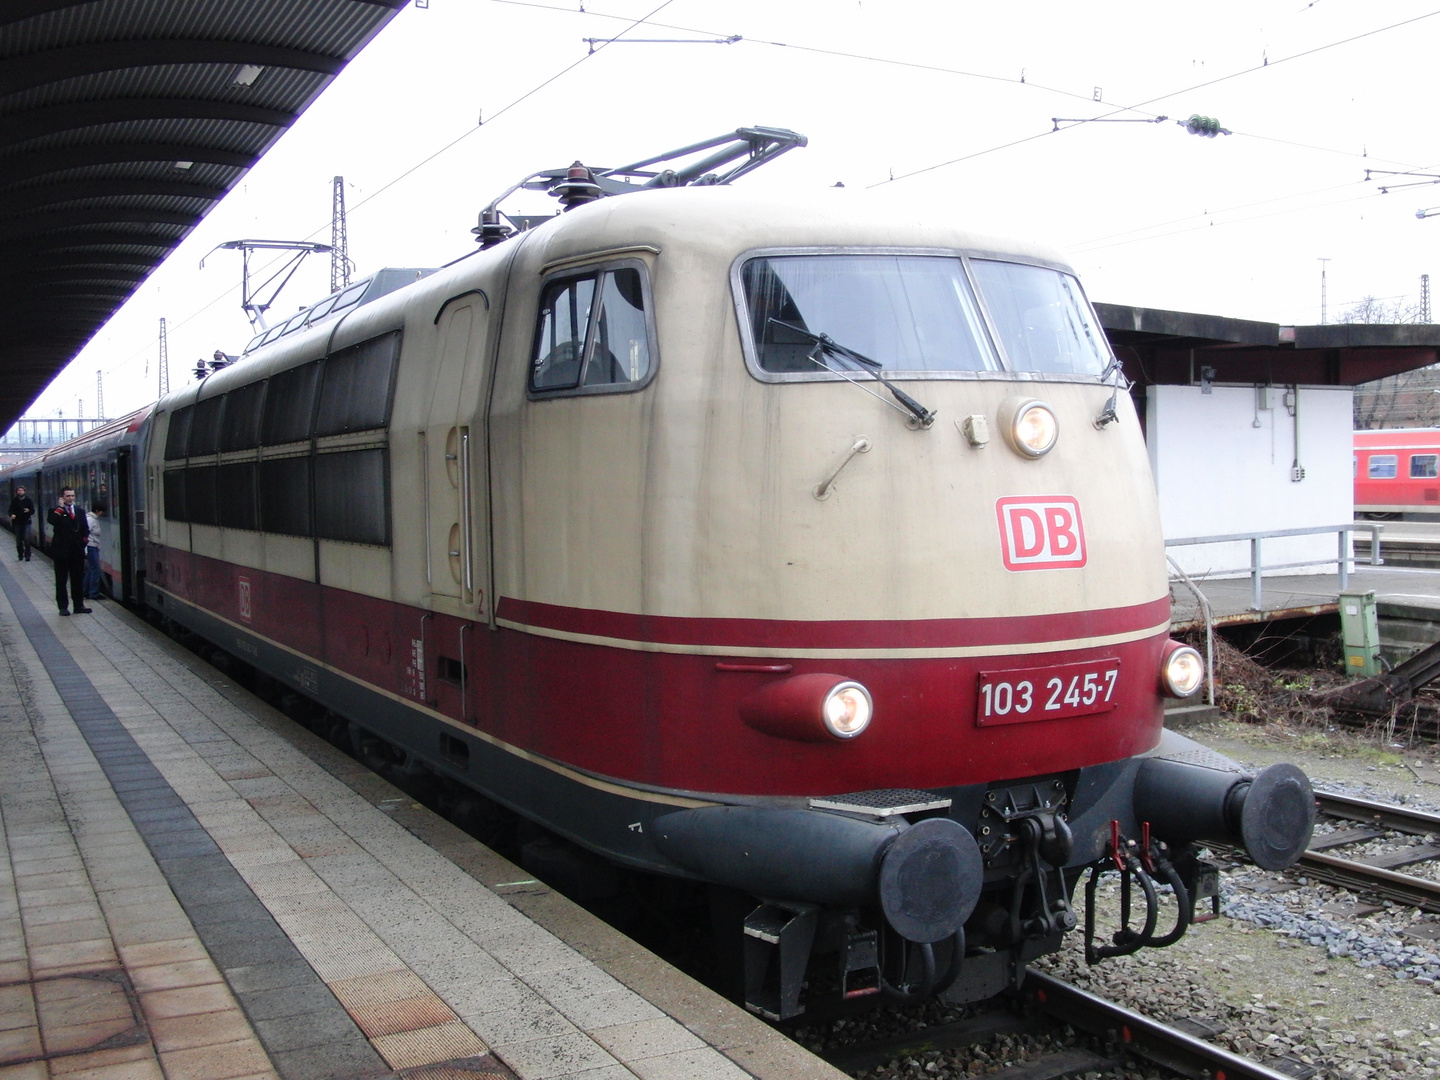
240	428
594	333
355	393
1424	466
289	412
1382	466
177	435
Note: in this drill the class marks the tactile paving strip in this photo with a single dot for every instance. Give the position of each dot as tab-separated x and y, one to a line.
234	925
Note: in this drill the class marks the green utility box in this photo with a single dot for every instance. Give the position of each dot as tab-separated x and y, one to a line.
1360	628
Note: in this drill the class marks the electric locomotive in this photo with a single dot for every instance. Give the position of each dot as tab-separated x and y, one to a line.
805	548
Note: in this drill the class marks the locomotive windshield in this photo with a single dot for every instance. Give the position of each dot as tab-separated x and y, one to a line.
1043	320
918	314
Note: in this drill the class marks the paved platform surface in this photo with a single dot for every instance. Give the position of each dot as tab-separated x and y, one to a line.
193	888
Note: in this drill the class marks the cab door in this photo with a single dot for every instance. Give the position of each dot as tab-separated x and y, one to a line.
456	509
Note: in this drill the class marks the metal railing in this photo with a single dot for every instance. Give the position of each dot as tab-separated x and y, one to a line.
1343	559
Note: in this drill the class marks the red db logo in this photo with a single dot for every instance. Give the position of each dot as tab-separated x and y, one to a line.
1041	533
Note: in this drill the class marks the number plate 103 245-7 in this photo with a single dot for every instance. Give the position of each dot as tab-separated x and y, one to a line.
1047	693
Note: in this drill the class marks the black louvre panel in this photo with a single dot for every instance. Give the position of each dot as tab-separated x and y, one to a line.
285	496
352	497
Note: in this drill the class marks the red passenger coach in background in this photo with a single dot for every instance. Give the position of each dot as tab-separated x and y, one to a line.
1397	474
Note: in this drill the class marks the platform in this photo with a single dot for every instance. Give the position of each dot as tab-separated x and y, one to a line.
195	888
1295	596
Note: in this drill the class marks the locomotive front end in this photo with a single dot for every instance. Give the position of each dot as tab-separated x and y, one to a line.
899	619
985	724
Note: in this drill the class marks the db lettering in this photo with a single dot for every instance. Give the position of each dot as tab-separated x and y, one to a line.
1041	533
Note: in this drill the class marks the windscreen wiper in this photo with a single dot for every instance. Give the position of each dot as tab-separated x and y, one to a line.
824	343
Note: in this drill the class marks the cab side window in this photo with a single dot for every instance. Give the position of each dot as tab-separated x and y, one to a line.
594	334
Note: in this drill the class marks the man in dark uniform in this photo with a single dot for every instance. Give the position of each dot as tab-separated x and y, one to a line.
22	513
68	533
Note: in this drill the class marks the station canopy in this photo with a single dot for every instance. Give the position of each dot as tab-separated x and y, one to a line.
1184	348
122	124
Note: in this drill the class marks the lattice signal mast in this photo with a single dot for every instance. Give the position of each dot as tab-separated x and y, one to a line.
100	395
164	362
1424	298
339	241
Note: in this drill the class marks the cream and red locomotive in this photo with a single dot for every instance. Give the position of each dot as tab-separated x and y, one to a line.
800	547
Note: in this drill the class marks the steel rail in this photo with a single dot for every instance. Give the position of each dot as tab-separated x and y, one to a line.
1139	1035
1386	815
1416	892
1398	888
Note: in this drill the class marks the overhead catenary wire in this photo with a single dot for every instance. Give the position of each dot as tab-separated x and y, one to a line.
1019	81
1266	65
649	21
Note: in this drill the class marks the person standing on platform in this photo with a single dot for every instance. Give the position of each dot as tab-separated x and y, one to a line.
93	518
68	533
22	514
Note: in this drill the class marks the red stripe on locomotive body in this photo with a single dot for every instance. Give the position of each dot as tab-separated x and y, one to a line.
857	634
670	719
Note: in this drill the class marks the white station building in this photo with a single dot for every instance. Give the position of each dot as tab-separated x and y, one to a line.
1250	427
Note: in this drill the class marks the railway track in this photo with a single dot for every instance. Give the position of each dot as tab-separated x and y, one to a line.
1045	1000
1379	874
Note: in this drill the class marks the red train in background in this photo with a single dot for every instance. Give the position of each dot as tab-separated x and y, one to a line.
1397	473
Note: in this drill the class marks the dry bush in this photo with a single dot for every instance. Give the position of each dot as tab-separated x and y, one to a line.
1252	693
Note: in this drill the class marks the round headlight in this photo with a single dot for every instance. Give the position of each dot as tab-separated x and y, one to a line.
847	710
1035	429
1182	671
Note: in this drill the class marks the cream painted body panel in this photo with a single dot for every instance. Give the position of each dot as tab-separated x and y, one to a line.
694	497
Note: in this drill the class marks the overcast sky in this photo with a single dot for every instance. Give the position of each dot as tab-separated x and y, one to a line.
952	99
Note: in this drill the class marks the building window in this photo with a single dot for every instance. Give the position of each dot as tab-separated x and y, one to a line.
1382	466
